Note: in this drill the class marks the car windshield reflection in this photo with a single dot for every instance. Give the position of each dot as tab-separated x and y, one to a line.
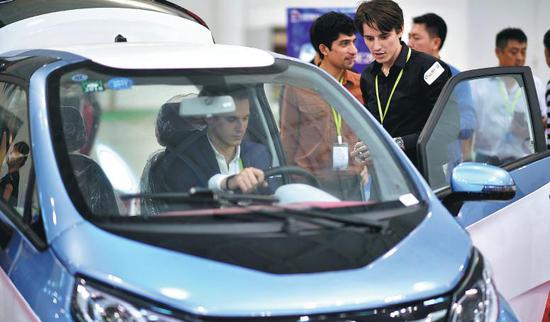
138	142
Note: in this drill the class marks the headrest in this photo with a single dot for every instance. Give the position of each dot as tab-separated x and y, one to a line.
171	128
73	128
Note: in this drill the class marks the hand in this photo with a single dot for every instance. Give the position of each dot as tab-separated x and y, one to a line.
361	153
399	141
247	180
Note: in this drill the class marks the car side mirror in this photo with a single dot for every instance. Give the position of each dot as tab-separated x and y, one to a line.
472	181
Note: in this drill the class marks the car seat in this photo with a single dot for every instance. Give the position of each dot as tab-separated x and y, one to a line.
94	186
172	132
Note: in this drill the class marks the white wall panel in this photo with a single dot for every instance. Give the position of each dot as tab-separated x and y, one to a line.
472	24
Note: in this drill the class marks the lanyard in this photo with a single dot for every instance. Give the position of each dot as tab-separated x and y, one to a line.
241	165
337	117
510	105
383	114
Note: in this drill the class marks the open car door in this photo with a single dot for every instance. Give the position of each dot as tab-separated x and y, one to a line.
492	116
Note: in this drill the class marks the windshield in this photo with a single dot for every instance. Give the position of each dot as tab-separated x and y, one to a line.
138	142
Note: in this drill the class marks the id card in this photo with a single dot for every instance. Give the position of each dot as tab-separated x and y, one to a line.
340	156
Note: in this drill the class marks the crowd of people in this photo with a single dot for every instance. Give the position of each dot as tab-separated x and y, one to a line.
400	87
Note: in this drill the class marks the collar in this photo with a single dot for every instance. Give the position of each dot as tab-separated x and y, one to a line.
348	78
220	156
400	62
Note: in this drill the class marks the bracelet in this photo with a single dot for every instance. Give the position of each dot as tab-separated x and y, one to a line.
227	182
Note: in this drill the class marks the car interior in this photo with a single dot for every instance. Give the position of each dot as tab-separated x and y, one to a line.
93	184
109	125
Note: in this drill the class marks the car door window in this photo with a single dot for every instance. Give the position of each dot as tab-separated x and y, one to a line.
15	154
484	119
504	132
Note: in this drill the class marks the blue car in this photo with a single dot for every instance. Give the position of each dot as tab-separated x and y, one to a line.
111	211
505	131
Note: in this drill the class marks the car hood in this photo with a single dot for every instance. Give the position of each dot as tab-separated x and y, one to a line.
429	262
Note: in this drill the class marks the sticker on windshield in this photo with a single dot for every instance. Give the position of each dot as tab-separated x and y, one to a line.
120	83
408	200
92	86
79	78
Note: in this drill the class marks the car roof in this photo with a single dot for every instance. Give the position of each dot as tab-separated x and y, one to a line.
169	55
63	22
16	10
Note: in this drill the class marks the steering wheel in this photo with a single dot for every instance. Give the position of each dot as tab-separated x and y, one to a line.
311	179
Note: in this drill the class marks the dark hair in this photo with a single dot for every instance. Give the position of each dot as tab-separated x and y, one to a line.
509	34
24	149
385	15
435	26
328	27
546	40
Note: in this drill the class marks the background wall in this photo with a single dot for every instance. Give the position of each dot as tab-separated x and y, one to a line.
472	24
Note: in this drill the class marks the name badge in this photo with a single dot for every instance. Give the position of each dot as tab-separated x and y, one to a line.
433	73
340	156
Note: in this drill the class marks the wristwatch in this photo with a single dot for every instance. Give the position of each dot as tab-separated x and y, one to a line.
400	142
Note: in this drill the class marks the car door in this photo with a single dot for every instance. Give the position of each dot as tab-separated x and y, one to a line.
26	262
492	116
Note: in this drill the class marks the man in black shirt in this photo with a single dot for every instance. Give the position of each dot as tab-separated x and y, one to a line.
401	85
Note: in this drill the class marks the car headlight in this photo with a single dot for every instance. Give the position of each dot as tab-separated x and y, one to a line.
92	302
476	299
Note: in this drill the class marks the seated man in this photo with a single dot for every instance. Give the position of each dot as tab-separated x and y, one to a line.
218	157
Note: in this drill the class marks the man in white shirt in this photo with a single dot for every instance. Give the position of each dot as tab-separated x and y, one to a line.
218	158
511	50
503	133
225	134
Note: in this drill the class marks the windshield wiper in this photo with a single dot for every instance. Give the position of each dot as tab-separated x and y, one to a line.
312	215
373	225
316	217
203	196
245	201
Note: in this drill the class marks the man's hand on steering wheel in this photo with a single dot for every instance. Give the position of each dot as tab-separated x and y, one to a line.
247	180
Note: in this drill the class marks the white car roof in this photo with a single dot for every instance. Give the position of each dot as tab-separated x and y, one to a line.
171	55
100	25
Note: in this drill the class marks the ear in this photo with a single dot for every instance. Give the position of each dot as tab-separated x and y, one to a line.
324	49
436	43
498	52
399	32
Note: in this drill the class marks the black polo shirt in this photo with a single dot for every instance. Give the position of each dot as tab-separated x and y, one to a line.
414	96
